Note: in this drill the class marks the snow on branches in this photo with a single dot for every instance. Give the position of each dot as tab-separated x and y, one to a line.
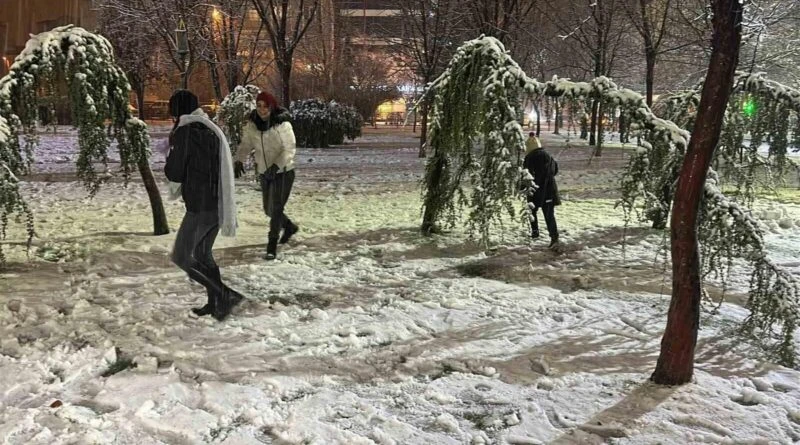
233	111
475	135
97	91
477	139
482	91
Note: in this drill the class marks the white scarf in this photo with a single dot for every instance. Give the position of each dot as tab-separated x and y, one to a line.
227	203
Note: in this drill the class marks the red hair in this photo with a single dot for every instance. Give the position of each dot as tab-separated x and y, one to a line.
268	99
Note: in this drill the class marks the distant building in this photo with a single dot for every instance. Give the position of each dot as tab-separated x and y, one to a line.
372	23
21	18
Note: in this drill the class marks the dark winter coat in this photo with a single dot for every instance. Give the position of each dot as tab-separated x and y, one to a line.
543	168
194	162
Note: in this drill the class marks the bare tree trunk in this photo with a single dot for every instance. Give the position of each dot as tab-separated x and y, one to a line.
138	88
286	74
432	197
593	123
676	362
538	120
160	224
423	131
558	117
215	81
649	80
598	150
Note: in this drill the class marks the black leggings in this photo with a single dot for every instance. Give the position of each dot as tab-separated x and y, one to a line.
274	194
192	251
549	211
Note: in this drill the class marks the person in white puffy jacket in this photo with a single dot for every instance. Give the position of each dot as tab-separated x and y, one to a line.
269	136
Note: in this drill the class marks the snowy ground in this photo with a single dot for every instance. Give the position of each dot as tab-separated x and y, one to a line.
365	332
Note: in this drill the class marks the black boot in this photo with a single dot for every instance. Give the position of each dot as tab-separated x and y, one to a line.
208	309
225	304
290	230
272	249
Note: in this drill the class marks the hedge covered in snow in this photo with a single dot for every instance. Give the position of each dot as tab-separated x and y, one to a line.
320	125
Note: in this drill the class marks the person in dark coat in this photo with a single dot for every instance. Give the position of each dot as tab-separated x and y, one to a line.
543	168
269	136
199	161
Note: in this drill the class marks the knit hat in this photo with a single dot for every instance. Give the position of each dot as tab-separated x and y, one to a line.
182	102
269	99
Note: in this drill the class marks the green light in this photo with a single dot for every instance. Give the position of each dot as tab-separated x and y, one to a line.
749	107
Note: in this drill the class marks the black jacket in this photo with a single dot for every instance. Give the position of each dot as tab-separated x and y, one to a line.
543	168
194	162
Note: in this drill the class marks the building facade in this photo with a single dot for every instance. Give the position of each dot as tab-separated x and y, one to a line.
21	18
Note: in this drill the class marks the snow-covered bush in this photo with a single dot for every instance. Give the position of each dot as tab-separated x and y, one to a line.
346	122
315	123
233	112
97	90
319	124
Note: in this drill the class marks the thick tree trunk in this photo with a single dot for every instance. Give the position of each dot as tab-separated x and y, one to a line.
160	224
432	197
676	362
286	74
649	79
538	120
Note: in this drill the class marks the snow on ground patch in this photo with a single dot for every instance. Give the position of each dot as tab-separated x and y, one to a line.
364	332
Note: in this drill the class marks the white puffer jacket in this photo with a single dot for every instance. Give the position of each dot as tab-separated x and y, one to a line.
274	146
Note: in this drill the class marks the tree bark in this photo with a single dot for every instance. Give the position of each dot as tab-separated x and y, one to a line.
286	75
558	117
160	224
139	90
649	79
598	150
676	362
593	123
431	198
423	130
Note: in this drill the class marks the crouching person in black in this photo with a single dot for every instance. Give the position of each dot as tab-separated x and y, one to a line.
200	162
544	195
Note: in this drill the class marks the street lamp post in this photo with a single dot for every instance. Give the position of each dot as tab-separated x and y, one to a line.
182	48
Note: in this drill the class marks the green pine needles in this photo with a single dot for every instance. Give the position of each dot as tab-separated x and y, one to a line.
476	144
98	92
233	112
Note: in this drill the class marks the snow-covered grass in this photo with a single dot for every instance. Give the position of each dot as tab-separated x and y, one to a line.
365	332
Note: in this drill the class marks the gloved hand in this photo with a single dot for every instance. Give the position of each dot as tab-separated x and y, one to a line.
269	175
238	169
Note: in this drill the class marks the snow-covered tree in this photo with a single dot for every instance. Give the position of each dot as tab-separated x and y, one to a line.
477	142
98	91
478	99
758	109
233	111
